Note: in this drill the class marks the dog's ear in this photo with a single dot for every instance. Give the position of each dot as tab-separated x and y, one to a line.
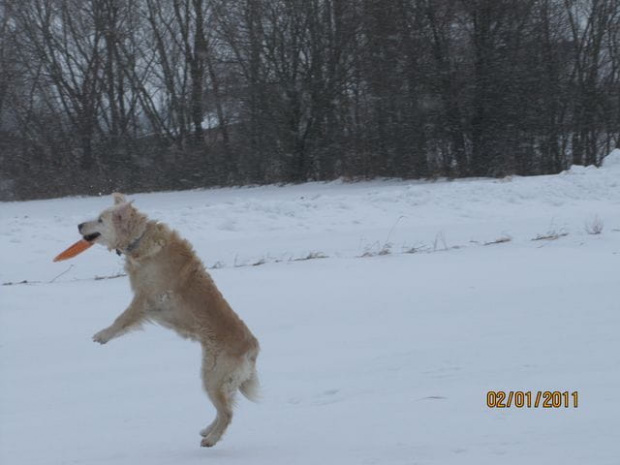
119	198
122	212
127	222
123	217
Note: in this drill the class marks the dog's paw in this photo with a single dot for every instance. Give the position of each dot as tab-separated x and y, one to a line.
212	437
206	442
102	336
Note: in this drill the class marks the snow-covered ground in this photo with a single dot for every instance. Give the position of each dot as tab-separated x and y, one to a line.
380	353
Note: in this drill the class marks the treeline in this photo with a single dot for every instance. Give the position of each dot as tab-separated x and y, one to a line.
97	95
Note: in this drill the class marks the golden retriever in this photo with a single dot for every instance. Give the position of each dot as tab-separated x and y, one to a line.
171	287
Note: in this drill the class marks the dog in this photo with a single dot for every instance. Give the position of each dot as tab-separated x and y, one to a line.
172	288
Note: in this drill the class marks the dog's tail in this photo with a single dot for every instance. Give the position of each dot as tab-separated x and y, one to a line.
250	388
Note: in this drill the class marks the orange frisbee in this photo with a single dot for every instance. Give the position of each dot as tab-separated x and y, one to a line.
76	249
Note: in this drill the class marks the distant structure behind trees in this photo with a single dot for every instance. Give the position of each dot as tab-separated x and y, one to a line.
137	95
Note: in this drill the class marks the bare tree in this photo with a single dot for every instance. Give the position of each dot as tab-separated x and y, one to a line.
152	94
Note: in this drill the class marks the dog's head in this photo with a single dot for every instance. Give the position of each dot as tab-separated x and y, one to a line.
116	227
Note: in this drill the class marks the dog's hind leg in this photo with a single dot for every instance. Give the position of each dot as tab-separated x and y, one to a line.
220	384
223	402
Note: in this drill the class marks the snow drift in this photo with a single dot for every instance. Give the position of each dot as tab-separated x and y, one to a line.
430	295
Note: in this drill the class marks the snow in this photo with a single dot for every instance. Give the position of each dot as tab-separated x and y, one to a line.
612	161
371	355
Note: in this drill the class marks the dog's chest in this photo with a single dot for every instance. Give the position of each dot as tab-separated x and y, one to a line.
148	280
162	302
161	309
166	310
159	286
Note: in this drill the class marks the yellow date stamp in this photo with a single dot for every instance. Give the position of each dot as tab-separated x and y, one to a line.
532	399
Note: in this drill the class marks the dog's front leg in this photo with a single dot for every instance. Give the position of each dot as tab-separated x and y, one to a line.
126	321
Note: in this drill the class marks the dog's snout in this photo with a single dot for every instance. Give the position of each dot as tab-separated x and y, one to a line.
80	226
